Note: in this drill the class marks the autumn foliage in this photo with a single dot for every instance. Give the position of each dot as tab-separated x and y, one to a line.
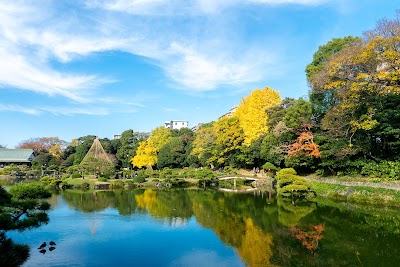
304	143
252	115
309	237
43	144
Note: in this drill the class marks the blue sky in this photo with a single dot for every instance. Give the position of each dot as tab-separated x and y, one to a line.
73	68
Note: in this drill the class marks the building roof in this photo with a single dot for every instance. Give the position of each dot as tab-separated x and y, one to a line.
16	155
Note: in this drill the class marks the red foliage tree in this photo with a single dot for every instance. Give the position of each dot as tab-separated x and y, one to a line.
41	144
304	143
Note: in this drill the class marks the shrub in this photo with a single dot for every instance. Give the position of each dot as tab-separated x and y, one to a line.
105	175
286	172
230	170
139	179
102	179
188	173
29	191
76	175
269	166
143	173
290	184
168	173
205	173
50	182
154	174
165	173
384	169
83	186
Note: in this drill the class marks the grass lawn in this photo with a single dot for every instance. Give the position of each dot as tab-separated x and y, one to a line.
360	194
356	178
80	181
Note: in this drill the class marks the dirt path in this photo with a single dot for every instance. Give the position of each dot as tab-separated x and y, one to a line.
376	185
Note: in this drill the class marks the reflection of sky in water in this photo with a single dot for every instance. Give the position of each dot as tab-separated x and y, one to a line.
107	239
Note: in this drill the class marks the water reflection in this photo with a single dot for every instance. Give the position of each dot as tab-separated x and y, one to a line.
209	228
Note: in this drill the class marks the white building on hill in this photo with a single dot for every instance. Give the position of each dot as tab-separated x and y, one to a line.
176	124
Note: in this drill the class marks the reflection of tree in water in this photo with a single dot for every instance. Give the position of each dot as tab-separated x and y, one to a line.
290	214
255	248
91	201
364	236
259	227
174	206
231	221
309	236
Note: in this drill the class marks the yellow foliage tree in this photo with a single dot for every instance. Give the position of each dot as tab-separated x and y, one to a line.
203	143
252	115
56	151
160	136
228	140
146	154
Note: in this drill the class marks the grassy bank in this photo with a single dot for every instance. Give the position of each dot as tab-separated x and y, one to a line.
358	194
353	178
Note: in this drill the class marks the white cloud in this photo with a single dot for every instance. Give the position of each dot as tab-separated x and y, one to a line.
185	7
32	35
206	71
297	2
68	111
18	108
18	72
56	110
24	47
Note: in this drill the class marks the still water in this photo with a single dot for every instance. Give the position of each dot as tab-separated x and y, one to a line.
210	228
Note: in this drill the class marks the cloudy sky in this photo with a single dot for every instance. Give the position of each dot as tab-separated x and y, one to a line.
73	68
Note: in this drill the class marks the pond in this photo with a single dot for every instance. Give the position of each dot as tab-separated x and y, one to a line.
210	228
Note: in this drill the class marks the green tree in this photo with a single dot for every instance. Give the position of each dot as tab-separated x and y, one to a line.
298	115
277	113
361	76
21	208
250	156
272	149
172	154
321	99
129	143
12	254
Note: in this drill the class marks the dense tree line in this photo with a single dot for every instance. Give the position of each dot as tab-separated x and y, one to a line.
349	123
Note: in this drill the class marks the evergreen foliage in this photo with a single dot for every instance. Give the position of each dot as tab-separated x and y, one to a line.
292	185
